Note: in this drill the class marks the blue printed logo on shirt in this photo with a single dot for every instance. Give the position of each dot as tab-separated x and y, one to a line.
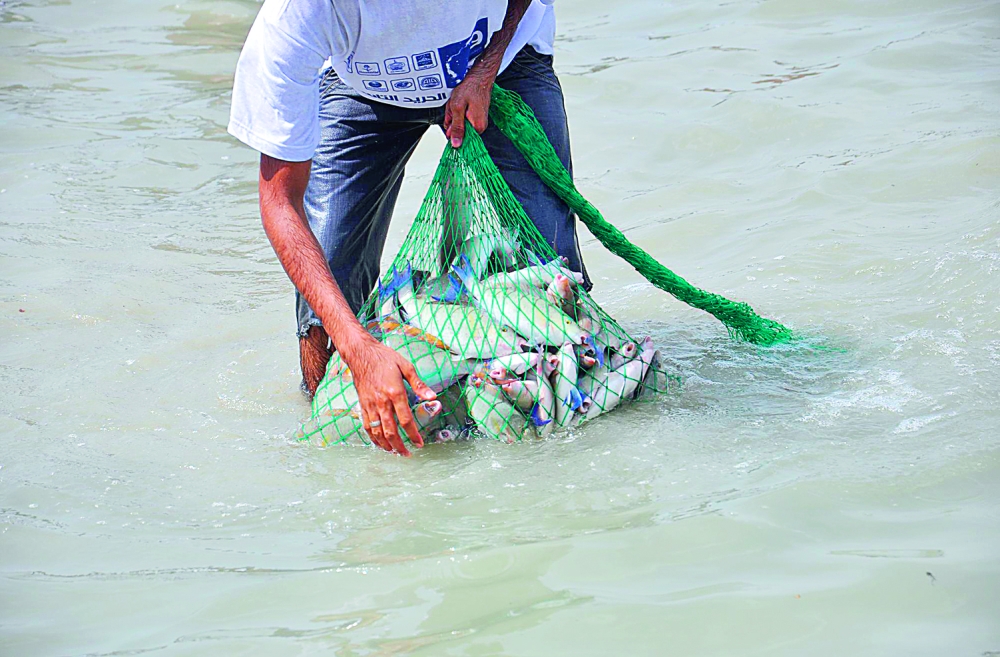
424	60
403	84
375	85
367	68
455	56
397	65
430	82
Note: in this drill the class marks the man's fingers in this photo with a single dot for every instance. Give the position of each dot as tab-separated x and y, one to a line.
408	423
374	433
457	129
479	118
419	388
390	431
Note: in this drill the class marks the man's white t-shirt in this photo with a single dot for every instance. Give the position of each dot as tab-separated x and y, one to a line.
410	54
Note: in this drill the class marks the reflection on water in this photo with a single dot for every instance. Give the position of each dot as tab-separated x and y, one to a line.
833	164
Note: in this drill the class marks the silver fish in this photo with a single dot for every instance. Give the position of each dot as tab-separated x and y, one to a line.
618	358
606	388
479	248
435	367
467	331
516	364
543	414
521	393
564	378
493	414
540	323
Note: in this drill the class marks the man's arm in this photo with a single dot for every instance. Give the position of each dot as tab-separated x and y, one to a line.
377	370
471	98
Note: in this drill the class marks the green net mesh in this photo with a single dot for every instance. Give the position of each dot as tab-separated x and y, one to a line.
492	320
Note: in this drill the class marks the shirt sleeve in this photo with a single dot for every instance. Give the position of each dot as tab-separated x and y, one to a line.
275	106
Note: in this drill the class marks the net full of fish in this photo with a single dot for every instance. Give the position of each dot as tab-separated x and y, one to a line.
493	321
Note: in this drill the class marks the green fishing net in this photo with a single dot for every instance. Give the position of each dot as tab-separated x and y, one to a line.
492	320
495	322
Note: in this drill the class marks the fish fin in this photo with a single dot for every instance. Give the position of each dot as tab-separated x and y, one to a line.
453	293
537	418
401	278
464	271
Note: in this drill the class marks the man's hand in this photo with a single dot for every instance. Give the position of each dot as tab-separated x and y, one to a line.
470	100
378	370
379	373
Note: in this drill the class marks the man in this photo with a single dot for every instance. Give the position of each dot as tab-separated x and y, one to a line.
335	94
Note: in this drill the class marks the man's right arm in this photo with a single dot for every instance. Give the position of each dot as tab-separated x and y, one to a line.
377	370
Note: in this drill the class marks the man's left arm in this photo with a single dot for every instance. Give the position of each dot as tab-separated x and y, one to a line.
471	98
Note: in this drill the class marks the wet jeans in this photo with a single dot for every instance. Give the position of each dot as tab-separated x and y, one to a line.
358	169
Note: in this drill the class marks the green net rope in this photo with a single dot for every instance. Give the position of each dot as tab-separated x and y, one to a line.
517	121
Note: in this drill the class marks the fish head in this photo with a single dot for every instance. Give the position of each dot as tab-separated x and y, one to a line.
585	404
629	350
546	367
554	362
498	373
445	435
593	349
428	409
513	388
587	361
563	287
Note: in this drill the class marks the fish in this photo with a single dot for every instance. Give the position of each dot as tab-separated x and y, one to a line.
449	433
618	358
560	293
493	414
657	380
341	426
605	388
540	323
438	368
564	378
517	363
544	411
479	248
588	352
521	393
533	276
464	329
335	393
387	293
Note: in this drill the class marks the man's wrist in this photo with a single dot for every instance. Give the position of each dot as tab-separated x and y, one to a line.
349	341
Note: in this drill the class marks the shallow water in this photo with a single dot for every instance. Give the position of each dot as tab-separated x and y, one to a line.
834	163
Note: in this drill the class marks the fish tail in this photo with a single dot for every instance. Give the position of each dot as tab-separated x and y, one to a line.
575	398
454	291
536	417
464	271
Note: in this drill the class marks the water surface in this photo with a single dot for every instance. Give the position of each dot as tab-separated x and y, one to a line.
834	163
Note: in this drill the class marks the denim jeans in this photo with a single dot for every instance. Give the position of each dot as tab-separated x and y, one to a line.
358	168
